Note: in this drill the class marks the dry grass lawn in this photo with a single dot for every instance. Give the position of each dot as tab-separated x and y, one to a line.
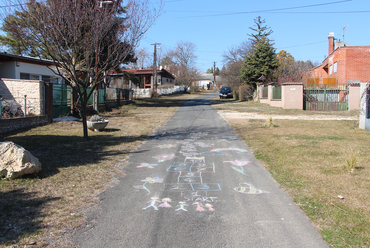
37	211
316	161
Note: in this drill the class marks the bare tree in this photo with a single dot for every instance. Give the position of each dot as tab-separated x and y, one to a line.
85	38
233	60
142	56
181	62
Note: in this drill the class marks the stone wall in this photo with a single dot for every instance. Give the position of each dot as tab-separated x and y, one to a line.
17	89
8	125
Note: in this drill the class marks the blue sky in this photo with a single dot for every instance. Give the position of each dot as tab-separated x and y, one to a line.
299	27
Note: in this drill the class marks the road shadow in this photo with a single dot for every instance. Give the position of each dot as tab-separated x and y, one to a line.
19	212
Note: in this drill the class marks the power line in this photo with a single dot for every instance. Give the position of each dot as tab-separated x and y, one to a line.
270	10
303	44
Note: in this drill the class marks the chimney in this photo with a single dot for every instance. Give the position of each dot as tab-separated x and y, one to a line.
331	42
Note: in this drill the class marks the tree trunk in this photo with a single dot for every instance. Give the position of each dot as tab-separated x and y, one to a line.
84	124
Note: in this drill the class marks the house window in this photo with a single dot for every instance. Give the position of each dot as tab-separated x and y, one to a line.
46	78
330	70
335	67
25	76
34	77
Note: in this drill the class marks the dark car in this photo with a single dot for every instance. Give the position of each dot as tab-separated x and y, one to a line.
225	92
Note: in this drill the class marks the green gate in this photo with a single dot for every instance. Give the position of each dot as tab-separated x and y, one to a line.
325	97
61	100
101	96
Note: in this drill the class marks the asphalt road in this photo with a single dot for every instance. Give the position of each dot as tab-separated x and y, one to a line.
194	183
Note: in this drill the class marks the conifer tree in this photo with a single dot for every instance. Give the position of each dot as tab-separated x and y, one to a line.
262	61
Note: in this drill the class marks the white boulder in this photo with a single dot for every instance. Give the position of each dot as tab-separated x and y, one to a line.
16	161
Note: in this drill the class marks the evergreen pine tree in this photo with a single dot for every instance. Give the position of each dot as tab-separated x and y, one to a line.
262	61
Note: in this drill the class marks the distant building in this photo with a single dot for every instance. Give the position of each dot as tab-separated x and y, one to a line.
145	76
344	64
206	81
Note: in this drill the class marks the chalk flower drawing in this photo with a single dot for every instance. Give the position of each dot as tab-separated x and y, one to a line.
247	188
148	180
151	166
165	203
238	163
164	157
152	202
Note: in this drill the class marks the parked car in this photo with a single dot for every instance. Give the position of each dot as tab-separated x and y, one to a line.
225	92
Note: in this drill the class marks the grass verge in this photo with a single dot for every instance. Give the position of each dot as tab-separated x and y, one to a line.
37	210
314	161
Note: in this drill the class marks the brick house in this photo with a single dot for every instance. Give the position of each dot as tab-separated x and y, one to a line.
343	64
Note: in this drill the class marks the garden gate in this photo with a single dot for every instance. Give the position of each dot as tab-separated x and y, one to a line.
61	100
326	97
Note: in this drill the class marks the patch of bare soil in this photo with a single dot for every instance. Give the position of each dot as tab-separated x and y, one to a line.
257	116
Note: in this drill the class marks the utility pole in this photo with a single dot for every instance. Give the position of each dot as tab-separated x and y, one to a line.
214	74
155	66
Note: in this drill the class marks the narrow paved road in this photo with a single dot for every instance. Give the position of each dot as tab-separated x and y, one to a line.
196	184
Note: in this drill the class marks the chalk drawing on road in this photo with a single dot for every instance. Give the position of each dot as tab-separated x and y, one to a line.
191	167
192	187
165	146
148	180
152	202
247	188
182	205
165	203
210	207
203	145
189	154
195	159
240	164
190	177
142	165
164	157
198	196
199	207
188	149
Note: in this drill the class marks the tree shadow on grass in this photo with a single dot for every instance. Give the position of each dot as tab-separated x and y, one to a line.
55	152
19	212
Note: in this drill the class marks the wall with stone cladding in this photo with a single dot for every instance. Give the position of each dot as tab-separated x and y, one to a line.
16	89
8	125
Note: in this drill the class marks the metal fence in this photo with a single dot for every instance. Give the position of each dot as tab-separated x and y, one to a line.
276	93
326	97
265	92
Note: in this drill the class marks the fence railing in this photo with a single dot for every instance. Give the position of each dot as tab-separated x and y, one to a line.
276	93
325	97
265	92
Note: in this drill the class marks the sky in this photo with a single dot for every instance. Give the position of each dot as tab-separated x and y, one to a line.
299	27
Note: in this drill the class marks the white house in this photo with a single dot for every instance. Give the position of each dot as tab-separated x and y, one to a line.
206	80
22	67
